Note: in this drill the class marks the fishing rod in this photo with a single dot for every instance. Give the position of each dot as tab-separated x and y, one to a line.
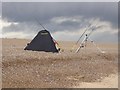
87	28
85	40
82	34
90	33
40	24
93	29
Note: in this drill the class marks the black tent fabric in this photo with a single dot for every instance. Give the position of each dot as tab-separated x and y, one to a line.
42	42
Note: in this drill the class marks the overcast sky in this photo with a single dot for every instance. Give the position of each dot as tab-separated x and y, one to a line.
65	21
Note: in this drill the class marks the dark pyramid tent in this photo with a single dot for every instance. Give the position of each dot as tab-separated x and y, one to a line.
42	42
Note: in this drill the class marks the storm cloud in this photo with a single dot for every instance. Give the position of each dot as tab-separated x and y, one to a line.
61	18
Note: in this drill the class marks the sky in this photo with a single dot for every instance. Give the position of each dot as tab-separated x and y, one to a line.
65	20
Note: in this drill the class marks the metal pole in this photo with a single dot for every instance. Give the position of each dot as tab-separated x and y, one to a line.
96	46
40	24
83	34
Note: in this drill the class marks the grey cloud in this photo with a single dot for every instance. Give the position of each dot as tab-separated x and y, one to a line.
26	13
105	37
22	27
45	11
0	8
70	24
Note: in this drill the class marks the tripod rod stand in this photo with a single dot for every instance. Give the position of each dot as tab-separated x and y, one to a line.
84	44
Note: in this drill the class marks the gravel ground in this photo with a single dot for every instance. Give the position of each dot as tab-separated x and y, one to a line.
31	69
